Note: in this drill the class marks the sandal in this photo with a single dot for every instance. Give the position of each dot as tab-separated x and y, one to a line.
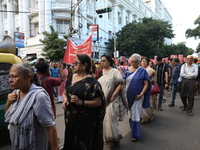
134	140
110	145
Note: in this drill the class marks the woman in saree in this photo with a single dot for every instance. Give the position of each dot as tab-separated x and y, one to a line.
61	88
111	82
83	101
147	113
138	94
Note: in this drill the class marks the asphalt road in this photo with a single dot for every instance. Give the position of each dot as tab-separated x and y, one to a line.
171	129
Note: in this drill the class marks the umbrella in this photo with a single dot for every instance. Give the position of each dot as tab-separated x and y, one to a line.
33	61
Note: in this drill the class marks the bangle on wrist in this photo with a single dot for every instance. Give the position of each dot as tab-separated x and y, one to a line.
114	94
83	102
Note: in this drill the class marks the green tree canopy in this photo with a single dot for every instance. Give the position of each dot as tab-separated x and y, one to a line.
198	48
54	48
146	38
194	32
173	49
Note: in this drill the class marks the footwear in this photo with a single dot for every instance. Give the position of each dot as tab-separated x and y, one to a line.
164	100
134	140
160	109
183	109
171	105
151	119
110	145
190	113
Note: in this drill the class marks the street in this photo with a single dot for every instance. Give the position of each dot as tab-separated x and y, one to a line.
171	129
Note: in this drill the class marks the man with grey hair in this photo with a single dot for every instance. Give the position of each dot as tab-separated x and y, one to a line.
174	79
189	72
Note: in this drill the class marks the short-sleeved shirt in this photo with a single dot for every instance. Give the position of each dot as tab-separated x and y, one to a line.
43	118
54	72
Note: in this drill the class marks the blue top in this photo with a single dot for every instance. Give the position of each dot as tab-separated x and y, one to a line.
176	73
54	72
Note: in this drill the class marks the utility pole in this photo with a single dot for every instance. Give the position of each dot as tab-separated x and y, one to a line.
73	7
115	50
71	15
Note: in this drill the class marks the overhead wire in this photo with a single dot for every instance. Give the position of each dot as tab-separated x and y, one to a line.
51	23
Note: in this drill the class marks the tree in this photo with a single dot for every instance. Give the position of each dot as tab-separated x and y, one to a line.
173	49
194	32
54	48
198	48
146	38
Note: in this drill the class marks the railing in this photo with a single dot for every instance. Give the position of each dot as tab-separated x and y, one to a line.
34	10
60	6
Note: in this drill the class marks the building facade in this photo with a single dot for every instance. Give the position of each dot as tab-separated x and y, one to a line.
32	17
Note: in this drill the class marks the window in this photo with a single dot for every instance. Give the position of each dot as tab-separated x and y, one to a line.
110	15
119	18
16	7
36	27
127	21
140	6
110	34
63	26
5	11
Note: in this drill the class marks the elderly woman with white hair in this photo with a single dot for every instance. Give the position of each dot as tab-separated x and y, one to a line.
138	94
28	112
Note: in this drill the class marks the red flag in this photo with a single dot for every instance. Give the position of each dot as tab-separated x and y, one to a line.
180	57
72	50
173	56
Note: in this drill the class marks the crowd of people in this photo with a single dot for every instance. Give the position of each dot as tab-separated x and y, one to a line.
94	99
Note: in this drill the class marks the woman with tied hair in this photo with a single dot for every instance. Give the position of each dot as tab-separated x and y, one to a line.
147	114
83	101
111	82
28	112
138	94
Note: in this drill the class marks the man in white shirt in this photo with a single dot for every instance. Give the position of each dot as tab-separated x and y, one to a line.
189	72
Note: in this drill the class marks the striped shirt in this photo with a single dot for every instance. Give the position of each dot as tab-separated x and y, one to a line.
160	71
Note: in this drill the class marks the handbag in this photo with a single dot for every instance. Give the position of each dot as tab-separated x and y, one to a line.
155	89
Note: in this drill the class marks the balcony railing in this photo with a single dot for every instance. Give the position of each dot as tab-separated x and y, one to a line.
4	2
56	6
33	11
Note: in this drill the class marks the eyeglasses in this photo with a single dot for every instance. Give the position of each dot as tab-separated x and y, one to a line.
189	58
102	61
134	61
76	63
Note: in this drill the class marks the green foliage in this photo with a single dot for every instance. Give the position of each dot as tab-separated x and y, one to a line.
194	32
173	49
54	47
198	48
145	38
